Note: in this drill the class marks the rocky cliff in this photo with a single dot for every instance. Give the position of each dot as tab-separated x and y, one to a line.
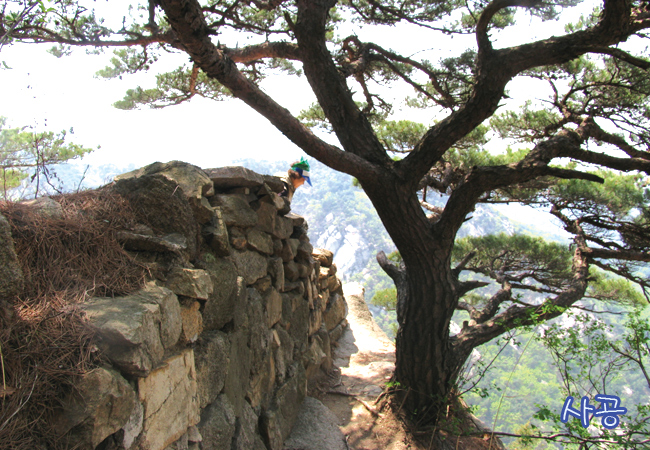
215	350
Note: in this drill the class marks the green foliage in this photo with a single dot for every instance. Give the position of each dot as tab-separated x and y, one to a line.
30	154
526	124
173	88
385	298
128	61
596	357
399	136
510	256
606	287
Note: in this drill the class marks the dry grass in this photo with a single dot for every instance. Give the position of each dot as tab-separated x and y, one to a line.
44	341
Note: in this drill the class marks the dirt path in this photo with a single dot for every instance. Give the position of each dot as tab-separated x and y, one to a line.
364	361
365	358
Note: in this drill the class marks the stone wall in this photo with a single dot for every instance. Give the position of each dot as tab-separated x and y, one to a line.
216	351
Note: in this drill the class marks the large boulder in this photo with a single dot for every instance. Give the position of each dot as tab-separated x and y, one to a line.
11	275
161	204
190	179
133	331
100	405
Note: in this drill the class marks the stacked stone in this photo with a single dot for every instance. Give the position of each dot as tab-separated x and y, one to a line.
215	352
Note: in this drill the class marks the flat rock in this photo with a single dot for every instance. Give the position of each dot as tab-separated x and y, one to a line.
169	397
234	176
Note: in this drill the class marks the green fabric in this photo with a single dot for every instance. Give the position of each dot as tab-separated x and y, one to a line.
302	164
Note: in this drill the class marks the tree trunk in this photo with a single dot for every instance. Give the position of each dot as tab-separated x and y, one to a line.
425	365
426	368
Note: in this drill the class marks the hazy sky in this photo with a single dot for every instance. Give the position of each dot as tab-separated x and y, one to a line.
42	90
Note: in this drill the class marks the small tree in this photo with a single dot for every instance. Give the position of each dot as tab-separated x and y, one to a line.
26	154
574	144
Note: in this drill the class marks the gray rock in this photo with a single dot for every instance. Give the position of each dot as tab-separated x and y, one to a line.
324	256
270	222
181	444
315	320
240	315
192	321
193	435
220	306
291	271
11	275
238	377
283	227
100	405
128	331
170	401
217	426
194	283
273	182
316	429
161	204
336	333
250	265
171	322
273	307
299	329
326	344
263	284
192	181
283	353
261	383
212	359
173	243
289	249
133	426
304	270
46	207
336	311
235	210
278	420
234	176
276	270
260	241
296	220
216	234
313	357
258	330
305	250
246	432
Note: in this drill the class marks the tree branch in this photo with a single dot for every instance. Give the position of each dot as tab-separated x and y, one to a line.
497	67
188	22
284	50
350	125
624	56
392	270
516	316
